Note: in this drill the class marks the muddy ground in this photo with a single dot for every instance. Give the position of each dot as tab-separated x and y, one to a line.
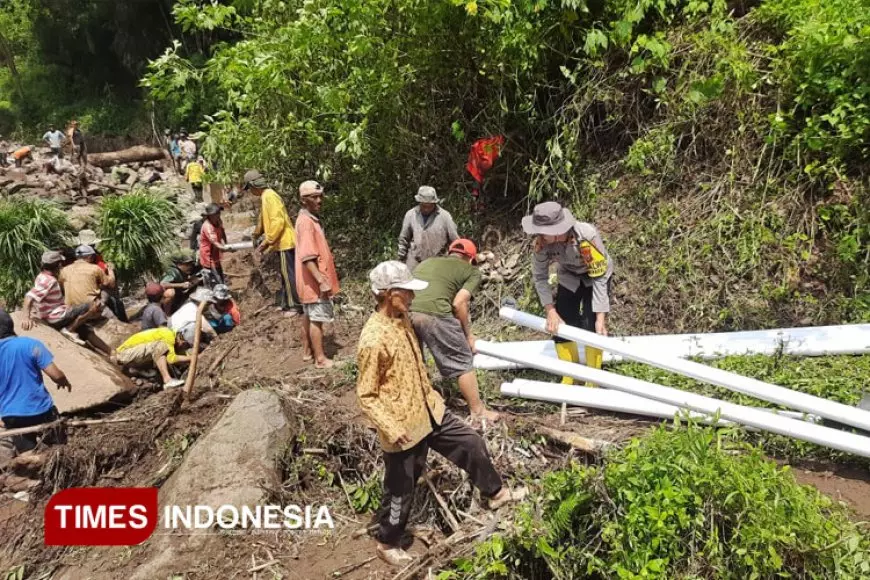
333	454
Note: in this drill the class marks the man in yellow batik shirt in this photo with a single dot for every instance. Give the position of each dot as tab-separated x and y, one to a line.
278	236
395	394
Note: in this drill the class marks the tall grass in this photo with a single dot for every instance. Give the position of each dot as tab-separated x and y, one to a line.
27	229
138	232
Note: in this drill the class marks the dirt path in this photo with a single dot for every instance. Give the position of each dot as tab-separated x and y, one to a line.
850	485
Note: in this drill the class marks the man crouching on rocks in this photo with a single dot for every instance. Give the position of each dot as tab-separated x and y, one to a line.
395	394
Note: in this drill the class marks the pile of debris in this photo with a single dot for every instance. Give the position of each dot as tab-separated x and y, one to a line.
67	184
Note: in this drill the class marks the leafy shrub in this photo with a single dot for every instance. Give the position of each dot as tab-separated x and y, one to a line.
685	503
823	65
27	229
138	232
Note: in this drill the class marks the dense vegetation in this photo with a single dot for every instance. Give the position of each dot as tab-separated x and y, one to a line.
27	229
138	233
684	503
723	148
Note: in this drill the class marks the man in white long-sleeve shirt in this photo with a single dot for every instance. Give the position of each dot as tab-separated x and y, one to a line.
427	229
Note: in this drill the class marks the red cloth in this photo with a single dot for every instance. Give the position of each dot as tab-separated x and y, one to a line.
483	154
102	263
232	309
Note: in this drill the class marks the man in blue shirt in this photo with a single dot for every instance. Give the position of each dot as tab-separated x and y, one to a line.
24	400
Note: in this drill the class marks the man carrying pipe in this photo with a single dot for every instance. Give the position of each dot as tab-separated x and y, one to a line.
441	319
584	272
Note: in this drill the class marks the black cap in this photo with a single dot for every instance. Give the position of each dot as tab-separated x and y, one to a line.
212	209
7	326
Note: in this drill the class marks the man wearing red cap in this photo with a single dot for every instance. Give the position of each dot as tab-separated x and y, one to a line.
441	318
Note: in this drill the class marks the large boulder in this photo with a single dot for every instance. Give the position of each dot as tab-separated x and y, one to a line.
113	332
228	466
94	379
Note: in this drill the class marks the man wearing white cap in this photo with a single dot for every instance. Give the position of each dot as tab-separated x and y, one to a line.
427	229
395	394
83	280
316	276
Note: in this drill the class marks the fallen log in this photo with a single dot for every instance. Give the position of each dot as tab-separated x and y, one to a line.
135	154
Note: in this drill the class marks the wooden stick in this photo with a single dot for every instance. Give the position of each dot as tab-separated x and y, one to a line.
191	373
448	515
263	566
577	441
42	427
351	567
220	359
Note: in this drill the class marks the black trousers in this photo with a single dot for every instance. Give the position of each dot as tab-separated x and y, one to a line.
575	308
23	443
288	297
453	439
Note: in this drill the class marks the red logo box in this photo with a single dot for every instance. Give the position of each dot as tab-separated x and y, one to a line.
101	516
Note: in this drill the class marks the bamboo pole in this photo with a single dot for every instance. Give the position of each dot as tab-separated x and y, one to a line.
191	373
43	426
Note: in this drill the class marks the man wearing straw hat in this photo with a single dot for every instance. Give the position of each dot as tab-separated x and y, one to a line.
584	269
427	229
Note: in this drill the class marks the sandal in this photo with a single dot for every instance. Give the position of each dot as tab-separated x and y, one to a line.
512	495
395	556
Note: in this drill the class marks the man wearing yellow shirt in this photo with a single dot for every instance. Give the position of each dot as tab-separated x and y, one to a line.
193	174
156	347
278	236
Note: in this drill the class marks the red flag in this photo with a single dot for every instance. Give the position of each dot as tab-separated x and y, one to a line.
483	154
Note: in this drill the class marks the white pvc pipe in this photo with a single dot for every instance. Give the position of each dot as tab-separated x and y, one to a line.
805	341
748	386
841	440
616	401
604	399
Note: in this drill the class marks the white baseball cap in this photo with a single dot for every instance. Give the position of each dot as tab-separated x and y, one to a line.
393	274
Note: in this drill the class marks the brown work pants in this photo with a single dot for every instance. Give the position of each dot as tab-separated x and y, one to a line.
453	439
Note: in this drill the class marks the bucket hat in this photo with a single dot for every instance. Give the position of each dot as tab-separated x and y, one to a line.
427	194
548	219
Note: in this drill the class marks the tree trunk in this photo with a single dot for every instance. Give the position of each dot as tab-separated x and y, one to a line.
135	154
9	58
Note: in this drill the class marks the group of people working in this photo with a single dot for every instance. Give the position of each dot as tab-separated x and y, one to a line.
56	141
423	299
430	306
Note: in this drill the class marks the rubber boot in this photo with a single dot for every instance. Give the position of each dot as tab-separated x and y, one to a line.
593	360
568	351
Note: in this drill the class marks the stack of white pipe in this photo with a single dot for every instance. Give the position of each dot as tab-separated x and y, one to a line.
808	341
749	416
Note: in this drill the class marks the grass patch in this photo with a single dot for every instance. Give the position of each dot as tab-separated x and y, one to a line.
682	503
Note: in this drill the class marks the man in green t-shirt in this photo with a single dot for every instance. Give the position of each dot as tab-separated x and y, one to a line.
440	315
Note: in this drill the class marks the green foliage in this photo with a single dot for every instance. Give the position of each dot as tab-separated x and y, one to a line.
823	65
27	229
138	233
365	497
684	502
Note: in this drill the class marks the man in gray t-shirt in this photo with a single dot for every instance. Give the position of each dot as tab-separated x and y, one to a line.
153	315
